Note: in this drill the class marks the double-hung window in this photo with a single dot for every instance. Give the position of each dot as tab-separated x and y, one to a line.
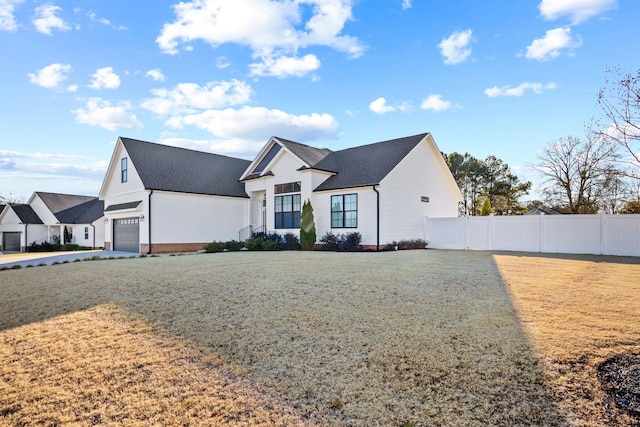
287	206
123	169
344	211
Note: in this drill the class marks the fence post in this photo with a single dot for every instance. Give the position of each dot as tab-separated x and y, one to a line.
602	233
541	232
466	232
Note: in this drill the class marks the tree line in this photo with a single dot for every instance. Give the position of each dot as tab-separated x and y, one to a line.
597	173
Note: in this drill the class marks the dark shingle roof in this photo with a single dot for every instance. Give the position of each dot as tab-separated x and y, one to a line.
309	155
57	202
25	213
121	206
84	213
162	167
365	165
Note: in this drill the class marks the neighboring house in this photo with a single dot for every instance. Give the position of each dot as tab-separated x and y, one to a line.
543	210
44	217
163	199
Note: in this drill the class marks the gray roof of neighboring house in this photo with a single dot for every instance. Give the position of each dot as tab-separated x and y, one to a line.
365	165
57	202
307	154
545	210
25	213
162	167
84	213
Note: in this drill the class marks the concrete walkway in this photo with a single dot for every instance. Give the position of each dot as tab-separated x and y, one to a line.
48	258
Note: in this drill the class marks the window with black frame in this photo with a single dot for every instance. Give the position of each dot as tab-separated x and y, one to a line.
287	206
344	211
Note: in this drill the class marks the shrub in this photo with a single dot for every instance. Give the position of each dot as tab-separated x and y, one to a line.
214	247
351	242
291	242
307	227
233	245
255	244
406	244
270	245
341	242
40	247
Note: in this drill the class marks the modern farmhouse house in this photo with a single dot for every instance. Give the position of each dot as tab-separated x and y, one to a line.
44	217
159	198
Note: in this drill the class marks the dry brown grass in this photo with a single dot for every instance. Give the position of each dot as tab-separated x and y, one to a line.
579	311
408	338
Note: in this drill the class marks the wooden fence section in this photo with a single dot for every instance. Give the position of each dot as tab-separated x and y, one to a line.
576	234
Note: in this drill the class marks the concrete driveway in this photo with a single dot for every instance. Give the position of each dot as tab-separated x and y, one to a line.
48	258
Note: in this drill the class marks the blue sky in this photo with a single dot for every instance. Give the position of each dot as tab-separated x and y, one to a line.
490	77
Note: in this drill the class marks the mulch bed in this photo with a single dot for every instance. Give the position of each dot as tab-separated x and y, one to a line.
620	378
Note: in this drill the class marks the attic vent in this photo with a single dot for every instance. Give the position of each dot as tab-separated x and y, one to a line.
266	159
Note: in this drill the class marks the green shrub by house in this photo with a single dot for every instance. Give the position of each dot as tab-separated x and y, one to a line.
307	227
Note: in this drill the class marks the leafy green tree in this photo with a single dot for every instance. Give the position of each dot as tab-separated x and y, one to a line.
492	178
307	227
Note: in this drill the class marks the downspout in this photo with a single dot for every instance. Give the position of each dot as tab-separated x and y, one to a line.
26	236
94	236
149	221
377	218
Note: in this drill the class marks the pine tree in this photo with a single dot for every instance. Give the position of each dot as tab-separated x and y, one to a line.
307	227
486	207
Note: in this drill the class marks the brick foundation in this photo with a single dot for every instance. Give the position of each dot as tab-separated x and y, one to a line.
165	248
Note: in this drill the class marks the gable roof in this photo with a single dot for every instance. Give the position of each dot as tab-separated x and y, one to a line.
25	213
84	213
162	167
309	155
365	165
57	202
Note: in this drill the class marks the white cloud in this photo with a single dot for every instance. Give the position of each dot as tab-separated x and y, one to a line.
190	97
50	76
99	112
519	90
552	44
379	106
49	165
229	146
577	10
105	78
222	62
406	4
272	29
155	74
455	48
435	102
7	20
285	66
253	123
45	19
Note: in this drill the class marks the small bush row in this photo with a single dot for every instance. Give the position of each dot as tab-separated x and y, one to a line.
406	244
349	242
54	247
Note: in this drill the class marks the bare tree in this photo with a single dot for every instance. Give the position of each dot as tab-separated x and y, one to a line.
619	100
577	173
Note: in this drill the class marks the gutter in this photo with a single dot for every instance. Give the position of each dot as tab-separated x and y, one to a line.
377	217
149	222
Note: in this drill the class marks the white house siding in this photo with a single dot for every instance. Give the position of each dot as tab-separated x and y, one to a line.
42	210
96	232
418	175
179	218
367	214
285	169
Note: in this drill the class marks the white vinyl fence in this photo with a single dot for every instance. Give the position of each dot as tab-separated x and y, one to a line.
576	234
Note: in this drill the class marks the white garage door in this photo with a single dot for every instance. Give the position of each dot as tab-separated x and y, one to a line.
126	235
11	241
